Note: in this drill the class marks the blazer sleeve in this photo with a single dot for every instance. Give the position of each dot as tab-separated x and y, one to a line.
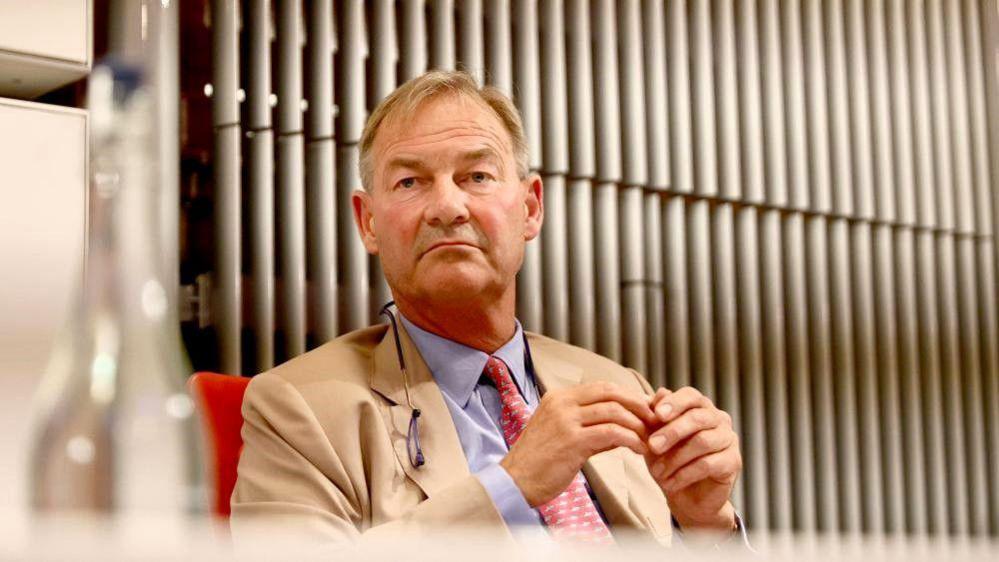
642	382
293	485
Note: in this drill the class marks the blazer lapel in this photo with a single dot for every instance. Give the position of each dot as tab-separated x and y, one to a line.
605	472
445	460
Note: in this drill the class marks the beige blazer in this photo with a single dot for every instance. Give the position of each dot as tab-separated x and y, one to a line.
325	447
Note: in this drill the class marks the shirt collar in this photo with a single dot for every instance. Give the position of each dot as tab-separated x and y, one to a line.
457	367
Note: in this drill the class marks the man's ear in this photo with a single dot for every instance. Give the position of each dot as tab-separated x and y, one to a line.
534	202
364	220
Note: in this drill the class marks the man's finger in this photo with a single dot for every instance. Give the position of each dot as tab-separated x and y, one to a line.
612	412
720	466
700	444
658	396
676	403
607	436
605	392
689	423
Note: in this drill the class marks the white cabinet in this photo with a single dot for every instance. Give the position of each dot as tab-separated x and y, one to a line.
43	160
44	44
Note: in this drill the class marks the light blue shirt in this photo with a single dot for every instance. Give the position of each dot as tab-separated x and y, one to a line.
476	410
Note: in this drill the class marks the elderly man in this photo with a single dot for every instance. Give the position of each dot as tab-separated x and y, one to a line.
451	414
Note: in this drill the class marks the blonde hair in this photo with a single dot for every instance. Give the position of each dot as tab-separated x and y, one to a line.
406	99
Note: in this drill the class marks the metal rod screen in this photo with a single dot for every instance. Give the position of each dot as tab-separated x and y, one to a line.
787	204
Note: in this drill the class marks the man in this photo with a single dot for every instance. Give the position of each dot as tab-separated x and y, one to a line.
513	430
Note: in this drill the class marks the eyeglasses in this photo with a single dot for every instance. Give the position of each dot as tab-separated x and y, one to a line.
416	457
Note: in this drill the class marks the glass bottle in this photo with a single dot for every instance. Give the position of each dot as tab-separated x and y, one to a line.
115	429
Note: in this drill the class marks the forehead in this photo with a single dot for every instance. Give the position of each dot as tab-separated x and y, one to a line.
439	120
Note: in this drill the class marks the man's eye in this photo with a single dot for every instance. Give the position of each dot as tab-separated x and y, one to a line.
407	183
479	177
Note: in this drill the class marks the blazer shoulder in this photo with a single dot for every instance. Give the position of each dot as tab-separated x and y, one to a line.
596	367
346	359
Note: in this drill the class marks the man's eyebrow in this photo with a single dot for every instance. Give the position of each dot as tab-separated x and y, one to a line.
405	162
485	153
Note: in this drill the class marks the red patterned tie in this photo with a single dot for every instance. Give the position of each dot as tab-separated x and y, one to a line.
571	515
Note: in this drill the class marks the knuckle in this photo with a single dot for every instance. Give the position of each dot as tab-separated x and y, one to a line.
701	440
700	417
672	434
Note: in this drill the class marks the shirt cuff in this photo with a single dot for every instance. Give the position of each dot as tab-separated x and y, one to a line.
740	531
506	496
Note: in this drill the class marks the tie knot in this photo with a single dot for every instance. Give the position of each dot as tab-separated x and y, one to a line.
499	373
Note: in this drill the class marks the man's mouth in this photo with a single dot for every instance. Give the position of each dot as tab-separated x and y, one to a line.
448	244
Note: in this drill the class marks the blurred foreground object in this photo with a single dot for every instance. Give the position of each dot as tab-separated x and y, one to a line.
116	431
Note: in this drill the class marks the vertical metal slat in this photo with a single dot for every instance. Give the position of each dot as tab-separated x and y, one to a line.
844	366
700	283
383	63
608	277
320	174
291	177
703	106
526	87
607	115
226	177
555	162
727	99
726	324
823	386
799	377
260	170
413	53
654	312
351	101
913	495
873	344
658	158
680	109
582	168
499	51
582	289
774	365
795	101
630	210
656	97
909	368
634	175
676	295
820	196
750	366
471	53
775	160
442	39
888	418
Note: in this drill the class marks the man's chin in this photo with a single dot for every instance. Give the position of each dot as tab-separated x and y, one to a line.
454	286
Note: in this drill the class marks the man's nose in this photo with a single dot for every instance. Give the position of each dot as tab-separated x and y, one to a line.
447	203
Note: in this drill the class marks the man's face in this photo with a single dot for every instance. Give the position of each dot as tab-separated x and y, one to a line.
447	213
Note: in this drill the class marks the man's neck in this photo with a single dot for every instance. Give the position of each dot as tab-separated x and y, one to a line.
485	327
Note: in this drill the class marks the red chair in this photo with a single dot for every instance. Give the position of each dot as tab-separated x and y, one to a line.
220	399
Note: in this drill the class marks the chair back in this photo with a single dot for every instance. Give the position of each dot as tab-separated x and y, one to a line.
220	400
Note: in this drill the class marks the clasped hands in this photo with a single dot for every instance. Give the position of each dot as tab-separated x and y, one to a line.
688	444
